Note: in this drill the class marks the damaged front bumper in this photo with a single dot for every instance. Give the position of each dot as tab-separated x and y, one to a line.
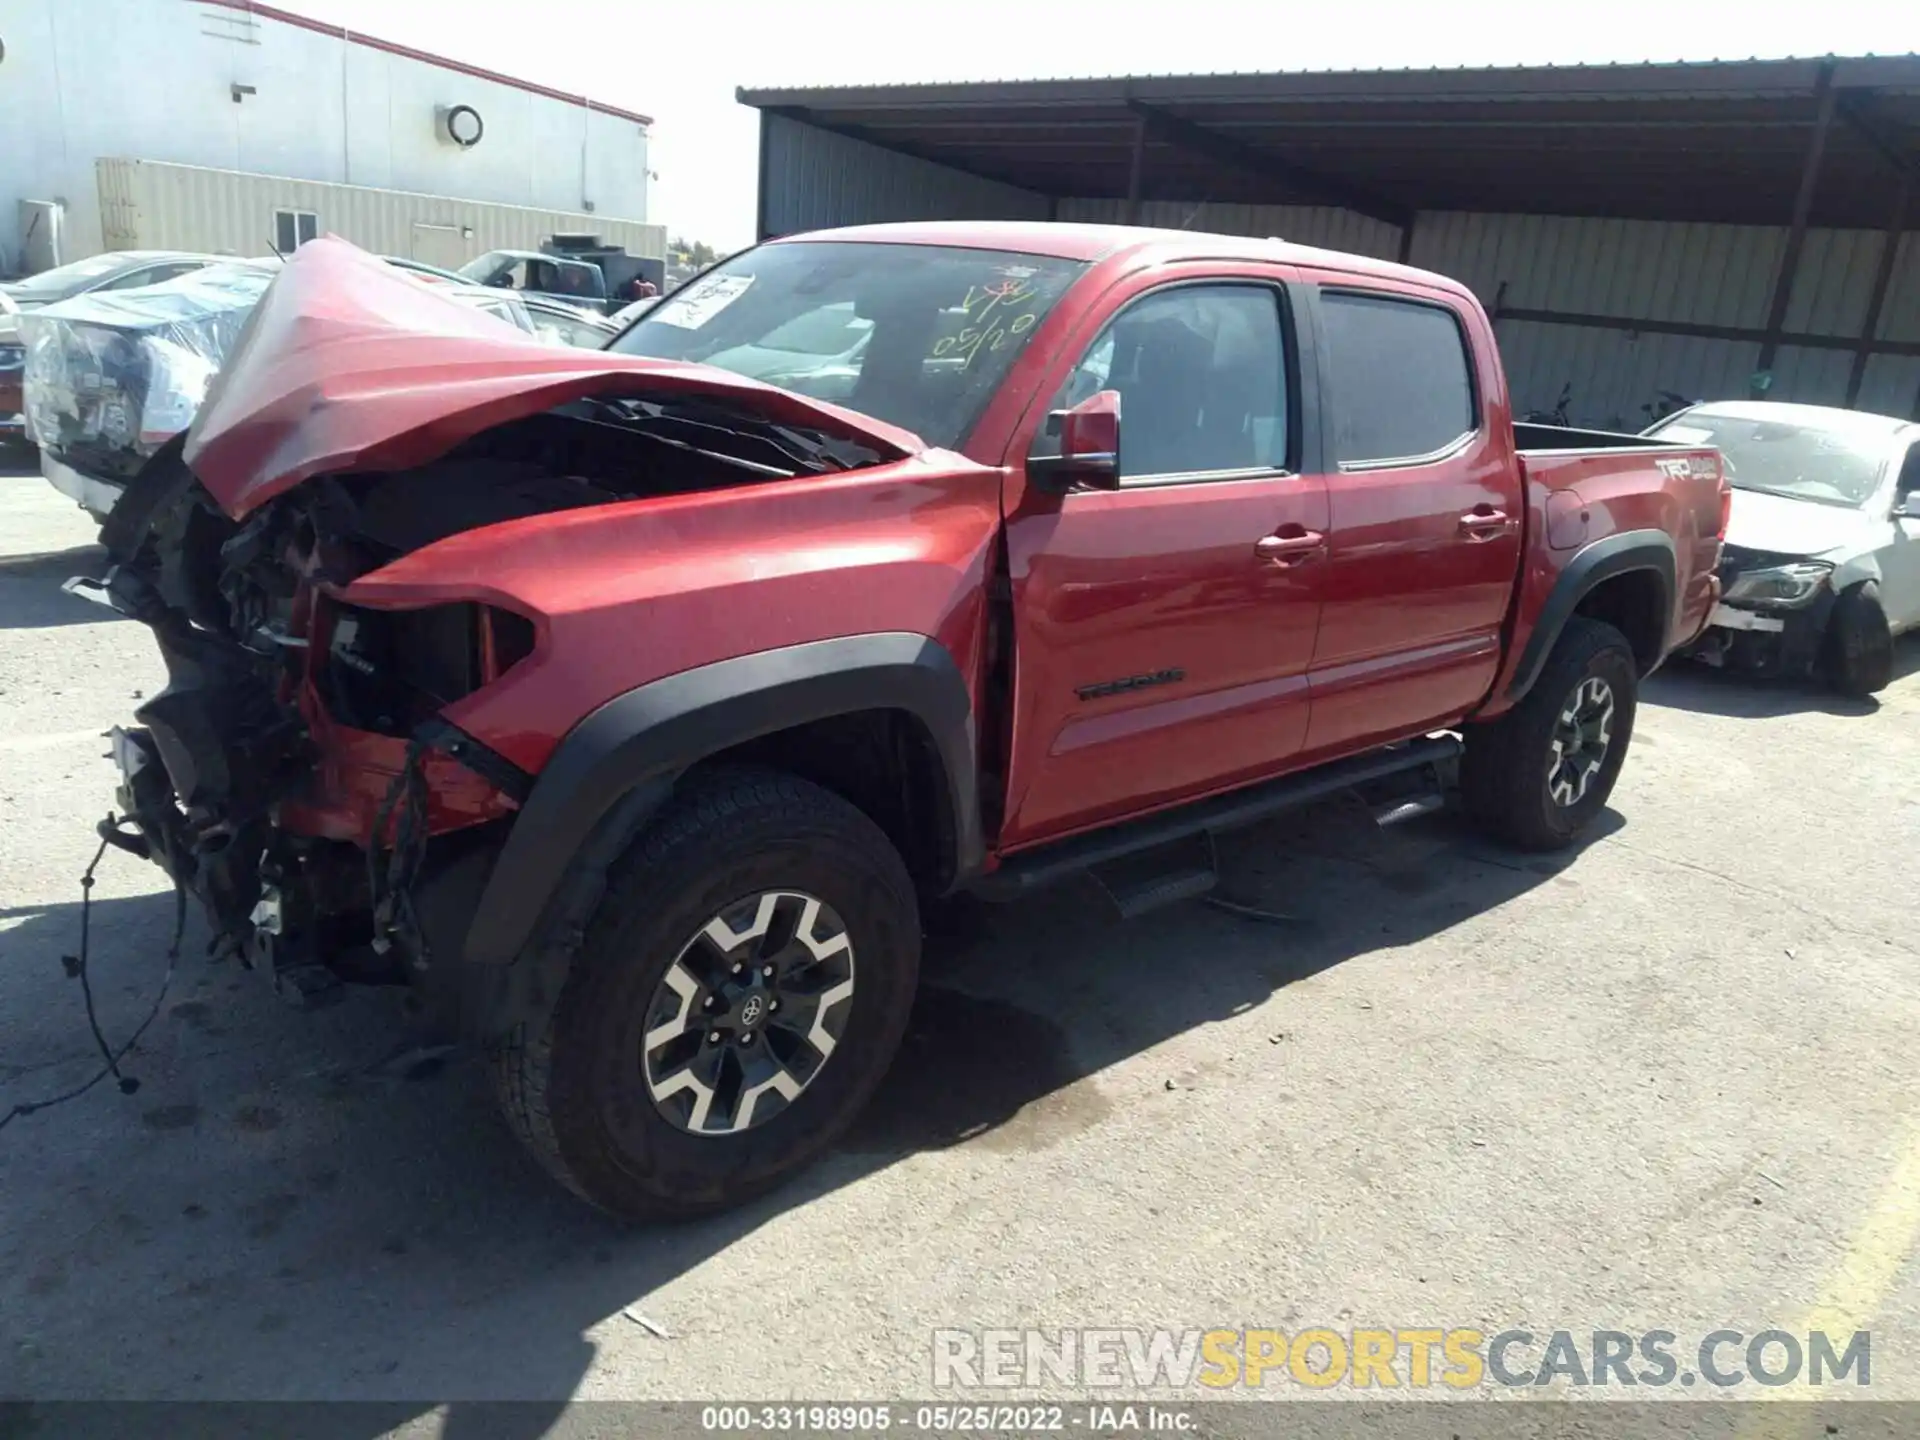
1780	643
322	855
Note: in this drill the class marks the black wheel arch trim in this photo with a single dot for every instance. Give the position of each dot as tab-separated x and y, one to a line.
637	744
1602	560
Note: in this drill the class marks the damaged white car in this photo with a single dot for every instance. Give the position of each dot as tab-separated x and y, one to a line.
1821	568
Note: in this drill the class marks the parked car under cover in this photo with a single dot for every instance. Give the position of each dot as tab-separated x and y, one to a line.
116	270
627	708
110	377
1821	568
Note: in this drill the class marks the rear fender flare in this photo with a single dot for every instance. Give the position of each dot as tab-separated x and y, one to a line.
619	764
1602	560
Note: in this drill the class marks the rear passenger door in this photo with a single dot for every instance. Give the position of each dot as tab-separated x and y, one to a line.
1425	501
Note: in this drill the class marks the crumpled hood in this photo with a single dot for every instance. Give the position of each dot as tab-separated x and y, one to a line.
1799	527
349	364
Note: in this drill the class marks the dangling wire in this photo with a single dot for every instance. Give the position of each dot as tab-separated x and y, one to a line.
391	890
77	967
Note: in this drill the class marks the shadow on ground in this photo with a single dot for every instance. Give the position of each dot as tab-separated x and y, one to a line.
277	1214
30	593
1683	685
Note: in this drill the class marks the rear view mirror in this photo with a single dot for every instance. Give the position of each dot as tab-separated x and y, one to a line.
1089	446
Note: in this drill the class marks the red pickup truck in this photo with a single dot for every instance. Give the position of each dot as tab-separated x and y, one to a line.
628	706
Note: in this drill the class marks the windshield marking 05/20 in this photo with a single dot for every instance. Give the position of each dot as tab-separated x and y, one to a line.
916	335
996	317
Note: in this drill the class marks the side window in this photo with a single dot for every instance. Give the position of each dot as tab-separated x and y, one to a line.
1401	380
1202	376
294	228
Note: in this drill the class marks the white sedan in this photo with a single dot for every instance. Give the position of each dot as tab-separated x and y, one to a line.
1821	567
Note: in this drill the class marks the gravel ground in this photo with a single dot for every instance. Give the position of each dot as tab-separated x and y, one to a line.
1665	1082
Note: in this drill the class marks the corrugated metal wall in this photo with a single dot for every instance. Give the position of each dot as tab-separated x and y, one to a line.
814	179
146	204
1650	270
1646	270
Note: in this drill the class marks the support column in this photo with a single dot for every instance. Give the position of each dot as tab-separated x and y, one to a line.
1882	278
760	193
1134	169
1797	227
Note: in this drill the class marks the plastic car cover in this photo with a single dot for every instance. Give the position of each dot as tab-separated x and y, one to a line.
114	375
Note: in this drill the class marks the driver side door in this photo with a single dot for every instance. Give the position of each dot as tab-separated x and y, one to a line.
1163	630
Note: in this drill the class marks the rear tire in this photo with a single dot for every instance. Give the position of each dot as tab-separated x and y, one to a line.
606	1107
1857	654
1540	774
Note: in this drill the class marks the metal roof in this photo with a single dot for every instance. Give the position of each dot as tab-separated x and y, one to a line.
1708	141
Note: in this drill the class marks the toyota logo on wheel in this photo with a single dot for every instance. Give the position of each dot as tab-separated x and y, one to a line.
750	1012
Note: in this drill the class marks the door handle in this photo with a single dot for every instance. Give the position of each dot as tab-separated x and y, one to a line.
1482	523
1290	549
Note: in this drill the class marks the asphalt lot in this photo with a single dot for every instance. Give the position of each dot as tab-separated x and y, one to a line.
1666	1082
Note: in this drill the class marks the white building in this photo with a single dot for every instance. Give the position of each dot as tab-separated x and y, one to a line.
235	87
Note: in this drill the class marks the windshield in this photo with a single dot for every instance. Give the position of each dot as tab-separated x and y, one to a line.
58	284
1829	466
915	335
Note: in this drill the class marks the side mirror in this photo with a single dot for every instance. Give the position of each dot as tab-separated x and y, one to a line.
1089	447
1906	506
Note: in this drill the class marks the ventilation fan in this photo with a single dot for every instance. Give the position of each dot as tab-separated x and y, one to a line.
460	125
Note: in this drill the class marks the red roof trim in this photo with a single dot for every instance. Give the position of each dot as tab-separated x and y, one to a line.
354	37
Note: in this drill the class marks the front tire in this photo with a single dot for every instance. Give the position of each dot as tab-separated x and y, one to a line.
739	993
1541	773
1858	658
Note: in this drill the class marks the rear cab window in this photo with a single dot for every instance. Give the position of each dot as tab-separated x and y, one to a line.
1400	378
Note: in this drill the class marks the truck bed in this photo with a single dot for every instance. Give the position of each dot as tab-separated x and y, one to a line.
1530	438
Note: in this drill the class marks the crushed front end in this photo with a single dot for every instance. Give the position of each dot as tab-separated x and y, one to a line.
1772	615
297	774
359	564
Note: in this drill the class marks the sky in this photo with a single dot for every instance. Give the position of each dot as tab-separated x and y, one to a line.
682	63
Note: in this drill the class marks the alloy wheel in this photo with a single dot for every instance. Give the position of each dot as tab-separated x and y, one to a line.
749	1013
1582	733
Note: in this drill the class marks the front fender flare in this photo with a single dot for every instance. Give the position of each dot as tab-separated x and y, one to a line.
629	752
1602	560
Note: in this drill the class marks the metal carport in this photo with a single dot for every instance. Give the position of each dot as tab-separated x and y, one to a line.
1712	229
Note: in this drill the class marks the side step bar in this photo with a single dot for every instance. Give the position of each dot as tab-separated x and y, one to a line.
1032	870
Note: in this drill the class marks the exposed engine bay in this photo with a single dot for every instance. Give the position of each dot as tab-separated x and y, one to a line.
297	774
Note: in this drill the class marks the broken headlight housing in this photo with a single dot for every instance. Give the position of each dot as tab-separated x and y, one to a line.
388	670
1781	587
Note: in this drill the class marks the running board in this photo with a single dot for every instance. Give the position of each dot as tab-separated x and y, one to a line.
1032	870
1150	880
